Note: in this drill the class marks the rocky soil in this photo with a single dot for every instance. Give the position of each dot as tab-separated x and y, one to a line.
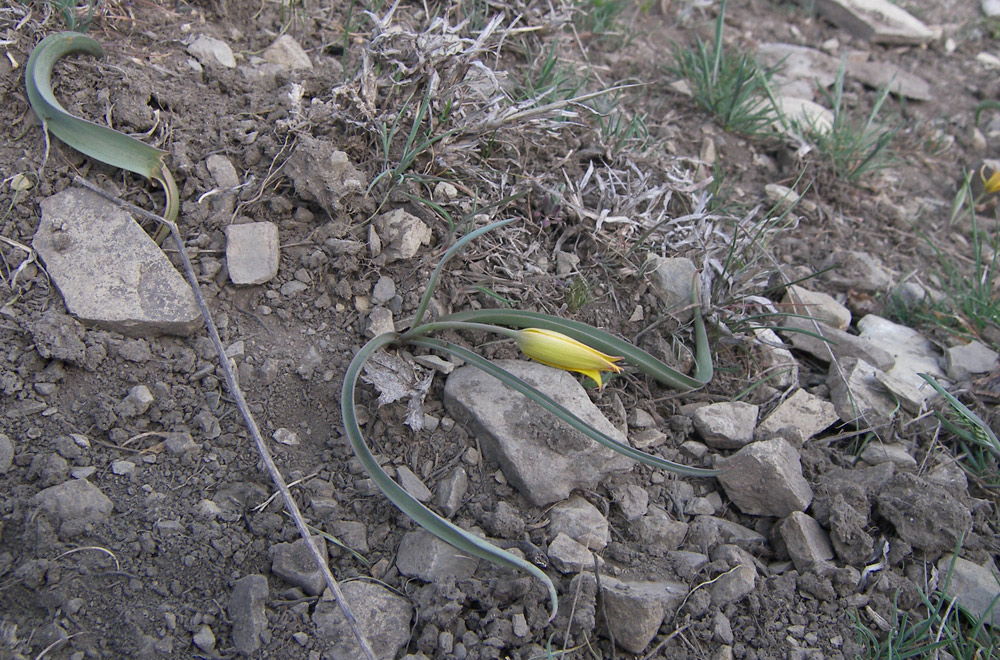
136	517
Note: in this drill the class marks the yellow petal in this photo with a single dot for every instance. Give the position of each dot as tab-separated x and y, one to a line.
557	350
991	184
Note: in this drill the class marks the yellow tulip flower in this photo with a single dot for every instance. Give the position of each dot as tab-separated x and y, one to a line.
555	349
991	184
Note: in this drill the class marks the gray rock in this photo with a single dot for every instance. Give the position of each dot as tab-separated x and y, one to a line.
633	501
857	395
991	8
294	563
732	586
566	262
912	354
323	174
6	453
49	469
910	294
904	501
876	452
820	306
707	532
837	344
965	361
402	234
974	587
849	532
807	542
286	53
801	111
765	479
877	21
293	288
860	271
136	403
569	556
798	418
581	521
726	425
640	419
634	610
383	291
949	475
383	616
74	507
351	533
212	51
425	556
222	171
686	563
379	322
660	534
722	629
246	612
451	491
109	271
776	362
122	468
801	70
881	74
412	484
204	639
671	280
540	456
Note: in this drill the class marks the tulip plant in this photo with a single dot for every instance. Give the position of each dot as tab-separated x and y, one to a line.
556	342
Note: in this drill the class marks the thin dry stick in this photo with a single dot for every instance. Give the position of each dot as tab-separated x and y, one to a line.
241	404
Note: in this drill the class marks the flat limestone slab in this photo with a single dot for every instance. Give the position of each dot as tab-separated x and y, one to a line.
878	21
109	271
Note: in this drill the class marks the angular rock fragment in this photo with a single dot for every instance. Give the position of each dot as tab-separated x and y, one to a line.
246	612
857	395
726	425
295	563
634	610
798	418
877	21
252	252
384	618
73	507
806	541
925	515
425	556
109	271
540	456
765	479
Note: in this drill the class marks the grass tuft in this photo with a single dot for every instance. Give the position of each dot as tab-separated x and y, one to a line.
852	149
733	87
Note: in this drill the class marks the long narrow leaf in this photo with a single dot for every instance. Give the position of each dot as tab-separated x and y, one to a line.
558	410
405	502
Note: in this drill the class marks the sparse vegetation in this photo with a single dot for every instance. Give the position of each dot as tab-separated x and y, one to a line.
852	149
733	87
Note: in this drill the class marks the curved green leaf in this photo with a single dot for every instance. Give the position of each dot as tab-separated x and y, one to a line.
98	142
405	502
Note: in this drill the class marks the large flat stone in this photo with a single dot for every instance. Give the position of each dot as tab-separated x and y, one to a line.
109	271
878	21
540	455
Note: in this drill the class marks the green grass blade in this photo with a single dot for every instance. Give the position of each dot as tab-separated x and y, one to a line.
433	523
558	410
